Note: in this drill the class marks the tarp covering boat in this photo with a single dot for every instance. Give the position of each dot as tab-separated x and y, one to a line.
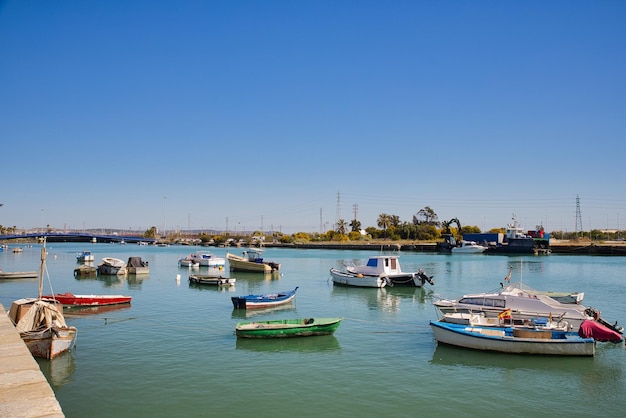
42	315
597	331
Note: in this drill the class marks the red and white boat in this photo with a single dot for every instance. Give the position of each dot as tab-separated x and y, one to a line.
70	299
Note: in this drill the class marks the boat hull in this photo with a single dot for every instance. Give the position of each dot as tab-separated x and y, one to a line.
207	260
112	267
69	299
49	343
500	340
212	280
10	275
263	301
348	279
288	328
237	263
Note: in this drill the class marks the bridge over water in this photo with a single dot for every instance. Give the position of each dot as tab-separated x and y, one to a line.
79	237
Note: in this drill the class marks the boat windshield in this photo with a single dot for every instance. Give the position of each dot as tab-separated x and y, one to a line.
482	301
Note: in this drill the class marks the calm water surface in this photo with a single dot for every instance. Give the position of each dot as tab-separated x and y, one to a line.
173	352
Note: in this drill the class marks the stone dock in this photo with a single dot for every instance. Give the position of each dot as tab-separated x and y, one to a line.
24	390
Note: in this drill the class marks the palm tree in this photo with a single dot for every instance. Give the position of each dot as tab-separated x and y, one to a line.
384	221
355	225
341	227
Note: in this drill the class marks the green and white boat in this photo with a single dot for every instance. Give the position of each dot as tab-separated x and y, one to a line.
282	328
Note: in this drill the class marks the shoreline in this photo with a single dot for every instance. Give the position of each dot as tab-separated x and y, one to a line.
571	248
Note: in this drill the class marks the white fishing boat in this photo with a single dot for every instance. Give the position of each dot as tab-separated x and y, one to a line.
469	247
207	259
188	262
379	271
112	266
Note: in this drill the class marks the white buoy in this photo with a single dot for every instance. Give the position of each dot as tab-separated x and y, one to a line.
178	278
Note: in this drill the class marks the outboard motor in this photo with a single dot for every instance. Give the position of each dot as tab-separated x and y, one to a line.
424	278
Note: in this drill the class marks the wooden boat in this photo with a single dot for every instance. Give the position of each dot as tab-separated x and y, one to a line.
283	328
112	266
69	299
212	280
513	339
263	301
251	261
137	266
18	275
379	271
84	270
41	324
85	257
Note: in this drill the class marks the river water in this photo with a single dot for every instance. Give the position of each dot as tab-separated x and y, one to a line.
173	351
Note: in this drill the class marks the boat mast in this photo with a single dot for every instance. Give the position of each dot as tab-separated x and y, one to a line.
42	267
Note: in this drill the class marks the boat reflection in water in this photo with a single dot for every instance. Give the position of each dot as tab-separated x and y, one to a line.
297	344
59	371
248	313
447	355
79	311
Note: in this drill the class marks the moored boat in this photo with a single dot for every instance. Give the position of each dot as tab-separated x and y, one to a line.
18	274
84	270
469	247
525	304
41	324
207	259
513	340
188	262
379	271
69	299
283	328
263	301
251	260
137	266
112	266
85	257
212	280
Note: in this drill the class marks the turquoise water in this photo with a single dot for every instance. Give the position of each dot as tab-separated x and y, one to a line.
173	352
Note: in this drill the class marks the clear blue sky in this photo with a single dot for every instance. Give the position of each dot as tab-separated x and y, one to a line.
242	114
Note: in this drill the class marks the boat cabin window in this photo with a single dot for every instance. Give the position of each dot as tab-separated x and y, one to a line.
497	303
394	263
372	262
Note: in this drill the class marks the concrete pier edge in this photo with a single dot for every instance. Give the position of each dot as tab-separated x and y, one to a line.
24	390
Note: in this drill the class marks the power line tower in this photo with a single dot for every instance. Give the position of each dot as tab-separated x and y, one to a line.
355	210
338	216
579	219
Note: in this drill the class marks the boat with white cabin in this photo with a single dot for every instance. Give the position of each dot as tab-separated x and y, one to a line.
525	303
379	271
207	259
251	260
469	247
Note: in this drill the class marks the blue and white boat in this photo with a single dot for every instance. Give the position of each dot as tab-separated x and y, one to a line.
263	301
514	340
84	257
